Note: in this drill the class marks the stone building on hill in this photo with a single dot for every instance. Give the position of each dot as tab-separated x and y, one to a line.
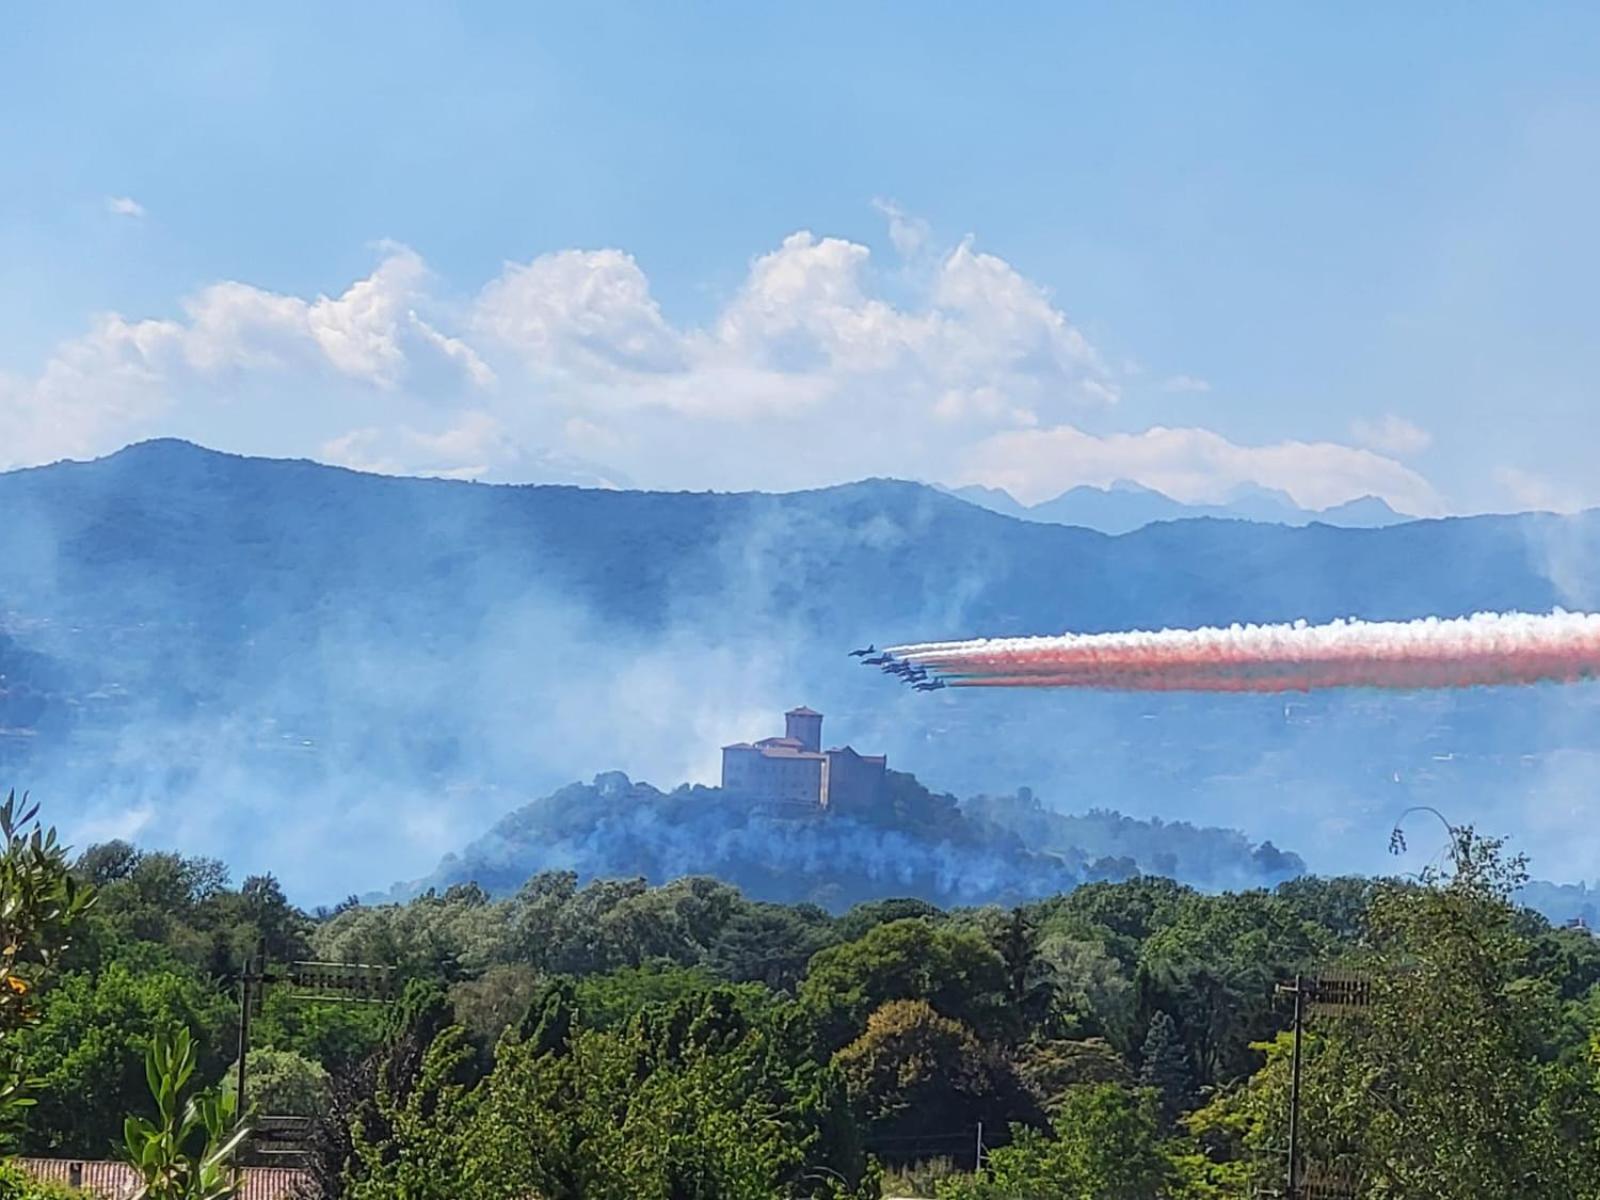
795	770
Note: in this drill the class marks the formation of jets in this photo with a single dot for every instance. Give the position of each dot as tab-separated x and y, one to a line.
912	674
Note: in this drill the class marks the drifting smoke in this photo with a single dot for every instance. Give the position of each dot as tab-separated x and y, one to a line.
1484	650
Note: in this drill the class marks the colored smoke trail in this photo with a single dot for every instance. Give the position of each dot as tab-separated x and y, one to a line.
1485	650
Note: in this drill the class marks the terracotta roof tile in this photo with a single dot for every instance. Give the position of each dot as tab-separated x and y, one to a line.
117	1181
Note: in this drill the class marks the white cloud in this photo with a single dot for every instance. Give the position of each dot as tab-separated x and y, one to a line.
819	367
1184	383
589	313
124	206
1390	434
1192	465
125	378
807	331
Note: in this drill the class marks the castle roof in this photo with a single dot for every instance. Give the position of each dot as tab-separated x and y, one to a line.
802	711
777	748
790	752
866	758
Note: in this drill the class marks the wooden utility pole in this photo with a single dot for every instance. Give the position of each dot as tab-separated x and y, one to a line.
338	983
1294	1090
1331	993
251	975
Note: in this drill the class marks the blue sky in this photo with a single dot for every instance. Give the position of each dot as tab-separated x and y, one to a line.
1199	246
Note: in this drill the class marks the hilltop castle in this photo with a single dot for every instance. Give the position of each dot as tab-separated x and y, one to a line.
795	769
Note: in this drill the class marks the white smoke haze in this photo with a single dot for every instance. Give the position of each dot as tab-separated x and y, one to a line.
402	663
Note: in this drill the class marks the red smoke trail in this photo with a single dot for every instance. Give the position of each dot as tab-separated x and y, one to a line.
1488	649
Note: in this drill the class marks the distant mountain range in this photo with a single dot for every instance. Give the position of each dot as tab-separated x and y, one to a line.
341	677
1126	506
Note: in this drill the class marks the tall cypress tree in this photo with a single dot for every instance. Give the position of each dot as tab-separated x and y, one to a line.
1166	1066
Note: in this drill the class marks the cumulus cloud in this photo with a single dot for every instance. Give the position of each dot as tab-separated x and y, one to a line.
1390	434
586	313
808	331
820	366
1192	465
124	206
125	378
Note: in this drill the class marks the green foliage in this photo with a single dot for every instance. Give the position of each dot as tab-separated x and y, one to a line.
17	1184
1106	1146
89	1048
621	1040
445	937
186	906
1164	1067
956	971
40	903
692	1100
919	1178
1487	1108
1031	986
280	1083
324	1032
417	1148
1452	1084
1052	1068
485	1007
611	999
187	1152
915	1074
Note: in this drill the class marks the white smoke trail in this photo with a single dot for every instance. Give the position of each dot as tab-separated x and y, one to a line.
1487	649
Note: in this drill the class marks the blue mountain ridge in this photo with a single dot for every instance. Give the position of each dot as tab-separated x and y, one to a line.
1125	506
343	677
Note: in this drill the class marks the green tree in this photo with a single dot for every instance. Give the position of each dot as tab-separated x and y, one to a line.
692	1100
1030	984
1165	1067
331	1034
914	1073
40	905
1453	1082
956	971
1106	1145
1052	1068
1464	1094
89	1048
416	1147
370	1128
280	1083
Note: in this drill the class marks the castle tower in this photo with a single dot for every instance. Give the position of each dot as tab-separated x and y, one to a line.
805	727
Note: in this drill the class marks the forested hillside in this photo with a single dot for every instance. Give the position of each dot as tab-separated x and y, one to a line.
1124	1039
914	842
